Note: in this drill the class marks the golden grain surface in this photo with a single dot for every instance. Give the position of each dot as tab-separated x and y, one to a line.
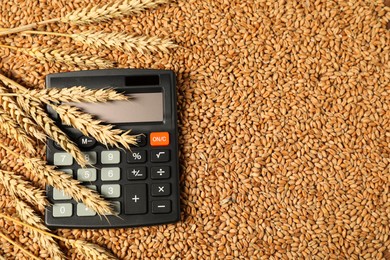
284	115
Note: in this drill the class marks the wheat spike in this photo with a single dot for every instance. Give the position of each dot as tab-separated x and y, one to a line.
27	214
16	113
13	131
74	94
109	11
96	252
123	41
62	56
71	187
18	246
2	257
90	251
84	122
18	187
52	130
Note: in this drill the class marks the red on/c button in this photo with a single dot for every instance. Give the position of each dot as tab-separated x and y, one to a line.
159	139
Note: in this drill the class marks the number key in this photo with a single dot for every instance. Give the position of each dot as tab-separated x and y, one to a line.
63	159
61	210
111	174
111	157
111	191
90	157
88	174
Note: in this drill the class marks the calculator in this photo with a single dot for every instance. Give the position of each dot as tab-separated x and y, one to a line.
141	183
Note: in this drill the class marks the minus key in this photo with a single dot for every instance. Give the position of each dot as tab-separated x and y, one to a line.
161	206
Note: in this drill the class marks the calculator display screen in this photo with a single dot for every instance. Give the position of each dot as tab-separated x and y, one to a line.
142	107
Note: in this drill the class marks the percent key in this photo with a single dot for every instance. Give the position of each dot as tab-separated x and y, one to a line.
136	157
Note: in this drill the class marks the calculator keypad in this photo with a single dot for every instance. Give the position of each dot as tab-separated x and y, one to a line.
135	186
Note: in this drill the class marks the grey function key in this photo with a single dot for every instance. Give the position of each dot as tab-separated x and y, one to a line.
62	159
84	211
111	157
62	210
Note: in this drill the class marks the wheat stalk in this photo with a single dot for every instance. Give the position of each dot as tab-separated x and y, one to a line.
12	130
91	251
27	214
62	56
52	130
84	122
17	245
73	94
18	187
94	14
118	40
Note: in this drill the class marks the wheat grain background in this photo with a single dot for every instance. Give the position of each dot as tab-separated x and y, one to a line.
284	110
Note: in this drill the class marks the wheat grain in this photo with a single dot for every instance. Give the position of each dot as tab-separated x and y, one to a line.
90	251
13	131
123	41
109	11
27	214
51	129
18	246
74	94
18	187
84	122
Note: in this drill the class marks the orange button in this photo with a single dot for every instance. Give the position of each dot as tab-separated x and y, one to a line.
159	139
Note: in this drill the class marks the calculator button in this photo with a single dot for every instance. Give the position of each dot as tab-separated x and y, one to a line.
160	155
63	159
88	174
136	157
111	157
111	191
84	211
141	140
90	157
67	171
161	206
86	142
136	173
161	189
135	199
61	210
111	174
91	187
162	172
60	195
159	139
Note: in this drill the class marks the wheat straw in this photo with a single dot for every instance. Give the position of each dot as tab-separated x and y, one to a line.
17	245
13	131
91	251
61	56
52	130
27	214
104	134
74	94
18	187
94	14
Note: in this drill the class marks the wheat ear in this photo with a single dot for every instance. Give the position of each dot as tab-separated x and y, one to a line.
84	122
109	11
13	131
118	40
91	251
16	113
18	187
94	14
17	245
61	56
27	214
52	130
2	257
73	94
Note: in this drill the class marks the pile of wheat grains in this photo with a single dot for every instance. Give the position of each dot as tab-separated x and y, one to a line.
284	115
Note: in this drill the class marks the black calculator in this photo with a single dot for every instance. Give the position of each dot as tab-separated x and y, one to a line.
142	183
